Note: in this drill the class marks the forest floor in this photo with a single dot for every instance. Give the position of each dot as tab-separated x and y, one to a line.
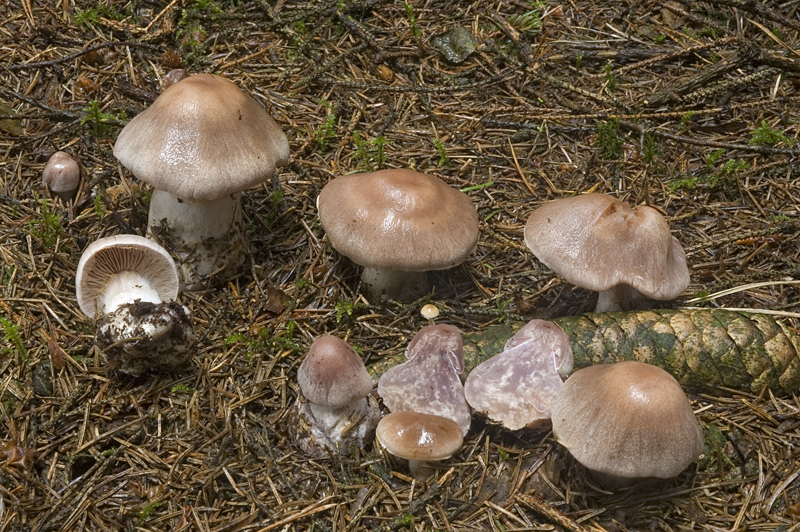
689	106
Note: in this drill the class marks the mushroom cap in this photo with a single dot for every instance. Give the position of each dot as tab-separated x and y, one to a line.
202	139
104	258
417	436
332	374
518	386
627	420
398	219
62	173
597	242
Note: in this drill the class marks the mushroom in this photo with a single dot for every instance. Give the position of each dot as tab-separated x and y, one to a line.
337	414
62	175
129	284
398	224
428	381
626	422
597	242
200	144
419	438
518	386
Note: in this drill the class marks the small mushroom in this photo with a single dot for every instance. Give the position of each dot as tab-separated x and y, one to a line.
518	386
597	242
129	284
62	175
337	414
201	143
626	422
419	438
428	381
398	224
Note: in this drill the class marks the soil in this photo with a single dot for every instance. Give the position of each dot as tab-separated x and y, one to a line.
690	107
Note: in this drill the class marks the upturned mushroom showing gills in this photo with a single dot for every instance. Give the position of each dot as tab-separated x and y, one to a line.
626	422
398	224
419	438
336	414
597	242
129	284
428	382
200	144
518	386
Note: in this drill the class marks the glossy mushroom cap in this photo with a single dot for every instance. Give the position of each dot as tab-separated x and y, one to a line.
517	387
398	219
138	262
420	437
332	374
62	175
396	222
597	242
202	139
627	421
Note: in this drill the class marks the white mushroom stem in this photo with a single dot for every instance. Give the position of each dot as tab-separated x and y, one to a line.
620	298
204	237
127	287
394	284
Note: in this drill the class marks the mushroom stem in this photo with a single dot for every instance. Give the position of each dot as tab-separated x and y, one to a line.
621	298
420	469
127	287
394	284
204	237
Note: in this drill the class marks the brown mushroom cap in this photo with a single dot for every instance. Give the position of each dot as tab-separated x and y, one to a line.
107	257
416	436
332	374
399	220
62	174
597	242
202	139
627	420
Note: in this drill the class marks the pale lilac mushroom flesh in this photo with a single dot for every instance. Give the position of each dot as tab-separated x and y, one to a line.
597	242
428	381
130	285
517	387
200	144
398	224
337	413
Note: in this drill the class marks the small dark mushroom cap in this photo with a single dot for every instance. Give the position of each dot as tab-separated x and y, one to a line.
627	420
332	374
202	139
597	242
416	436
112	255
61	174
398	219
